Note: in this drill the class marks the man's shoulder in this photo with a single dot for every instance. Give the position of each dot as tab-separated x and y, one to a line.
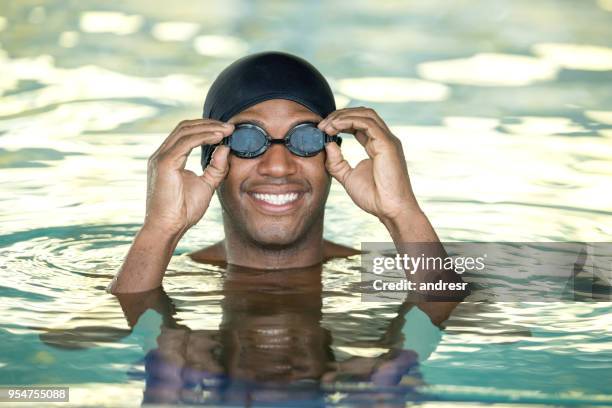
215	254
333	250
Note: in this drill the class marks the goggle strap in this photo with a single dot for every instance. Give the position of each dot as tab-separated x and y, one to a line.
334	138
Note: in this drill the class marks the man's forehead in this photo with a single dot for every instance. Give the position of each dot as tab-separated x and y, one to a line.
276	111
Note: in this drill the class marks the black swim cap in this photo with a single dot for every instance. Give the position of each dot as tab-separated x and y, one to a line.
263	76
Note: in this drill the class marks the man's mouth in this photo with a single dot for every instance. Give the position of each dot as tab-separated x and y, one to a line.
276	202
276	199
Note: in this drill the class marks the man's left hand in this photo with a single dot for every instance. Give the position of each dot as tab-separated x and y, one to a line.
379	184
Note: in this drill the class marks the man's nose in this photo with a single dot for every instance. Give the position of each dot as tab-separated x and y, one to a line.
277	161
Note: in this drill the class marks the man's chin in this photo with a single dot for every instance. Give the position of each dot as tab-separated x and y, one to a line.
274	239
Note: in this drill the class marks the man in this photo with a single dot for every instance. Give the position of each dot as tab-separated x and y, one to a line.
273	203
270	148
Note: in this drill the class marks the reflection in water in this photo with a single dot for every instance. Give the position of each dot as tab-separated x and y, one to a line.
68	39
110	22
490	70
174	30
393	89
85	84
576	56
220	46
270	346
604	117
543	126
605	4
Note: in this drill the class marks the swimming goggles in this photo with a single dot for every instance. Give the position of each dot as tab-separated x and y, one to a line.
249	140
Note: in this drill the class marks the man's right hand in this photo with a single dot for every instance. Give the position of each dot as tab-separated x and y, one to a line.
178	198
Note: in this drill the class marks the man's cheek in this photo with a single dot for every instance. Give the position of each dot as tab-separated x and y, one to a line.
226	195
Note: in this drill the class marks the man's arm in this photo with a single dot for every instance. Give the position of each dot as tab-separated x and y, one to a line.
146	261
176	200
414	236
380	185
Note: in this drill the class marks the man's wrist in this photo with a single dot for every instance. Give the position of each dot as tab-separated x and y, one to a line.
161	232
399	218
157	236
409	225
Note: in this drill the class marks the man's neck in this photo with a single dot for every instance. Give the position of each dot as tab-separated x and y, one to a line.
304	252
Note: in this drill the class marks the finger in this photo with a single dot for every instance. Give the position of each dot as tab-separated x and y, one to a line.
176	156
367	132
218	167
354	111
336	164
361	127
329	117
354	125
370	113
196	127
177	128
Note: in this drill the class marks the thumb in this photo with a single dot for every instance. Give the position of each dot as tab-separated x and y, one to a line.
335	163
218	167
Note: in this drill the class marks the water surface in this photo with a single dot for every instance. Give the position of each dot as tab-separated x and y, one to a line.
505	113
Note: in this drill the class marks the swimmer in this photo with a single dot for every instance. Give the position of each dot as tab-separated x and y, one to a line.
270	147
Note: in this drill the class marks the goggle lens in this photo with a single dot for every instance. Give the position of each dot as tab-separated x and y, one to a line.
248	142
306	140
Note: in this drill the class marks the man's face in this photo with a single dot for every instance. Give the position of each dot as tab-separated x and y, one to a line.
277	198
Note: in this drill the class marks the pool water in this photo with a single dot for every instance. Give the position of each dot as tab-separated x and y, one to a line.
505	114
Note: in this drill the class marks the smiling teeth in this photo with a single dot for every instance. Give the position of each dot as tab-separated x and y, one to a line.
276	199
